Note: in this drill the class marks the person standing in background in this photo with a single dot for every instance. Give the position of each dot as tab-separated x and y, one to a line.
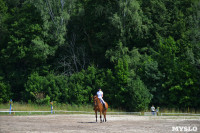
153	110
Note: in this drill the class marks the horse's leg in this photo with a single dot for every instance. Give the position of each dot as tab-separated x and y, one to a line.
100	116
96	115
105	116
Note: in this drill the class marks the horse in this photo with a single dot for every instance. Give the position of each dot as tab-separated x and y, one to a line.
98	106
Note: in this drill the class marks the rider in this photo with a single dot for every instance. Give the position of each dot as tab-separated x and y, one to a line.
100	96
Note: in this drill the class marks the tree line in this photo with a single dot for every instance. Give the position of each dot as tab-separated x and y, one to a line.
139	52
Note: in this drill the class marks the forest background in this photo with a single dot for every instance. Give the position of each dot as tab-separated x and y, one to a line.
139	52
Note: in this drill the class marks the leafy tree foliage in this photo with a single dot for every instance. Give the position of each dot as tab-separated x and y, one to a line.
139	52
19	54
5	94
127	79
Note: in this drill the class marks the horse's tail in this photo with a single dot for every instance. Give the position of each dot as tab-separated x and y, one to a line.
106	105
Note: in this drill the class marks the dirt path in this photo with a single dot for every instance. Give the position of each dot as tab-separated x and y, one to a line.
86	123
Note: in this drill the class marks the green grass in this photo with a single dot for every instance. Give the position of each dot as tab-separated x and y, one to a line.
69	107
56	107
35	107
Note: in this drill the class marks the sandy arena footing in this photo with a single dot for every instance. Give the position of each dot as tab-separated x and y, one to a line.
86	124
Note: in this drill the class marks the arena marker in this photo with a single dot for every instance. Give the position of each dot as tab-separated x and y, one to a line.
10	106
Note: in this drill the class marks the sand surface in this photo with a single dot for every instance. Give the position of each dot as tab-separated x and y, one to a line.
87	124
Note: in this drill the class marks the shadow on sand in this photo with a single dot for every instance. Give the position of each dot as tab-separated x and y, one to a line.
87	122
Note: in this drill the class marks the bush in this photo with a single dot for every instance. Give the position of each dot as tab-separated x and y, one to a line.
5	92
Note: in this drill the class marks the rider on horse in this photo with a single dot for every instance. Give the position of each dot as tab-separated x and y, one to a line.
100	96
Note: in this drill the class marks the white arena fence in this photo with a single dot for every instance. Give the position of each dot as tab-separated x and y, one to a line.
150	113
169	114
109	113
125	113
179	114
69	112
119	113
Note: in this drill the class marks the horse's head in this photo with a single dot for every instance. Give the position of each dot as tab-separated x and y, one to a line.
95	99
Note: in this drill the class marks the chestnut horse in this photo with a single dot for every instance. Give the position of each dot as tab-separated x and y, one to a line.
98	106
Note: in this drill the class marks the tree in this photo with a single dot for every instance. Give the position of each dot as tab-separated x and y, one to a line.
3	17
20	54
55	15
130	91
72	58
42	89
139	96
179	78
128	21
6	93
